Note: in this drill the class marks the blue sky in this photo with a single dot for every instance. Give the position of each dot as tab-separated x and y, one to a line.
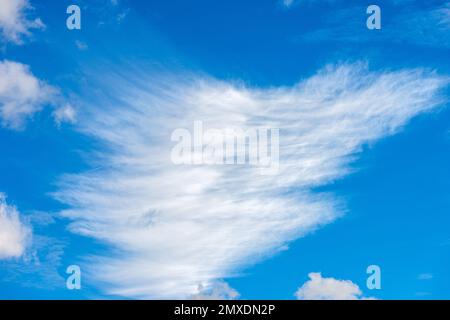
86	117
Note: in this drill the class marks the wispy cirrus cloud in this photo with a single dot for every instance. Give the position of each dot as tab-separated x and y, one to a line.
15	23
411	24
175	229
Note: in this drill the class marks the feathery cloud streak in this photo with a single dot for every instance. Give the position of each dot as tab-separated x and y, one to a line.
175	229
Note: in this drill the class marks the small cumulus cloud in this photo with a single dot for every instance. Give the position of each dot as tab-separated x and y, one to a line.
14	234
218	291
66	113
320	288
22	95
14	21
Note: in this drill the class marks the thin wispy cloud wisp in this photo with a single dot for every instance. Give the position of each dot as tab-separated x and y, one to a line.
408	24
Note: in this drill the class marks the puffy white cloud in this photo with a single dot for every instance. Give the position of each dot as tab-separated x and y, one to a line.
218	291
14	235
14	23
175	227
21	94
319	288
66	113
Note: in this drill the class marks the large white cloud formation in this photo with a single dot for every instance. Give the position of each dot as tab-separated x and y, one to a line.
14	235
175	228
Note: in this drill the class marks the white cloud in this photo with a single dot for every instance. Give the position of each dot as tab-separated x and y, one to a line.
14	235
21	94
66	113
319	288
176	227
14	21
218	291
